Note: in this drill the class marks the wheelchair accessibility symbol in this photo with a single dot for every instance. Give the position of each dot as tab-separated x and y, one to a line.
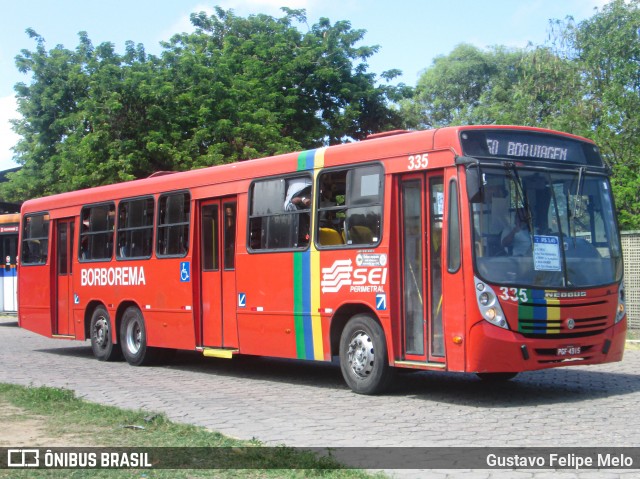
185	272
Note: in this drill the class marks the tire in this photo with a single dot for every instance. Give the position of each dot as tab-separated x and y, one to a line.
101	336
363	356
496	377
133	338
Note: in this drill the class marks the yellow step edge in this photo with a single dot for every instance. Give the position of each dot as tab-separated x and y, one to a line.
219	353
420	365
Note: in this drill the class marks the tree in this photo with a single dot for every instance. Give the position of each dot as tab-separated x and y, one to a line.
585	81
503	86
234	89
449	91
606	48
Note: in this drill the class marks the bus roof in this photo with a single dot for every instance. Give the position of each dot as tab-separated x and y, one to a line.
379	147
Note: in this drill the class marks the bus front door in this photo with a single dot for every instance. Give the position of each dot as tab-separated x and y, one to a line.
63	324
421	214
217	272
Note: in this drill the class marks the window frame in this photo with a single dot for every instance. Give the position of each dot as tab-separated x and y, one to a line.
82	234
126	229
23	239
229	254
347	206
453	229
299	174
159	225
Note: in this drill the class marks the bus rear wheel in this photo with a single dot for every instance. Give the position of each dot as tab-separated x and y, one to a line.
102	345
133	337
363	356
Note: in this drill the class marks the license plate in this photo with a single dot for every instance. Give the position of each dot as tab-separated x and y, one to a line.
568	351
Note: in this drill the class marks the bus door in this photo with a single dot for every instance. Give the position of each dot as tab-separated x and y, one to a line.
421	218
64	281
217	272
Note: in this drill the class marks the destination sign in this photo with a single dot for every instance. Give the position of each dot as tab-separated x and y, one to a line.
529	150
528	145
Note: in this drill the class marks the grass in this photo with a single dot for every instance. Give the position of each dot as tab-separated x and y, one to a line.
61	415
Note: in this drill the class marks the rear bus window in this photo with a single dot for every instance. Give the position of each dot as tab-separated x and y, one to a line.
96	232
135	228
35	239
173	225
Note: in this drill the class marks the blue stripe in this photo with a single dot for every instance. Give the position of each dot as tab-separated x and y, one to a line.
308	160
311	160
12	273
539	312
538	296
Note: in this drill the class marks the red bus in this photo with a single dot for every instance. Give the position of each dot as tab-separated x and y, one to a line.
484	249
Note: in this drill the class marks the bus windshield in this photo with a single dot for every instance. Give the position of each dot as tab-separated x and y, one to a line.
544	229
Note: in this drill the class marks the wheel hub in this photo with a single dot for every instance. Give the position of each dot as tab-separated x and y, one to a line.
361	355
101	332
134	337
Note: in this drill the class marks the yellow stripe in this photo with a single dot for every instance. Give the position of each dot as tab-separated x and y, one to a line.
553	314
316	320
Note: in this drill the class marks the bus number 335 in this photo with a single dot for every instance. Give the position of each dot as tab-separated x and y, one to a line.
514	294
418	162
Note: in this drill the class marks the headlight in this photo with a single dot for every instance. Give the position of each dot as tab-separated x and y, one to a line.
488	305
484	299
622	309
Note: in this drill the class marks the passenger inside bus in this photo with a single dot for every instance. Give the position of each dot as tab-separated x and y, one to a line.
517	237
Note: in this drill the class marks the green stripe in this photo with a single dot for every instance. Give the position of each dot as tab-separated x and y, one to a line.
297	305
297	284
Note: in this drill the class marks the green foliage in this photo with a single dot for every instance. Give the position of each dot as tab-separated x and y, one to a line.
240	88
65	418
586	81
607	48
234	89
472	86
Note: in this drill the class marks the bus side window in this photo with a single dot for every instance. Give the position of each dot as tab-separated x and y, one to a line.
280	213
135	228
173	224
350	204
35	240
96	234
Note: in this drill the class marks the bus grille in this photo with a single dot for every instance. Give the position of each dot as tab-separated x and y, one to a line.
544	320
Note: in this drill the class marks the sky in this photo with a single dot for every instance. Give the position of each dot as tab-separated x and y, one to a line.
410	33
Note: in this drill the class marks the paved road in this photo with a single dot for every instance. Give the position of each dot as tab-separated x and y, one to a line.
304	404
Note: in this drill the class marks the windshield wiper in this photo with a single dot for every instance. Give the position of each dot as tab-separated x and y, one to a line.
521	195
577	202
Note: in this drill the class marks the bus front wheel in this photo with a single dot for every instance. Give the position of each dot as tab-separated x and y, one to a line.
102	343
133	337
363	356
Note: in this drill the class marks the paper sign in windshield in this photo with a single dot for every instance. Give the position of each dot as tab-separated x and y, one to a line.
546	253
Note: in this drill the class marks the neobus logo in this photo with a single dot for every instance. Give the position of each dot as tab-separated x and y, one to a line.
119	276
567	294
359	280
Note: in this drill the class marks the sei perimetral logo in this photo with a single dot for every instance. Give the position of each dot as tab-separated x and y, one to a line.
23	458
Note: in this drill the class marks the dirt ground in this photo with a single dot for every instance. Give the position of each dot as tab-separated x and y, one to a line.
20	429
